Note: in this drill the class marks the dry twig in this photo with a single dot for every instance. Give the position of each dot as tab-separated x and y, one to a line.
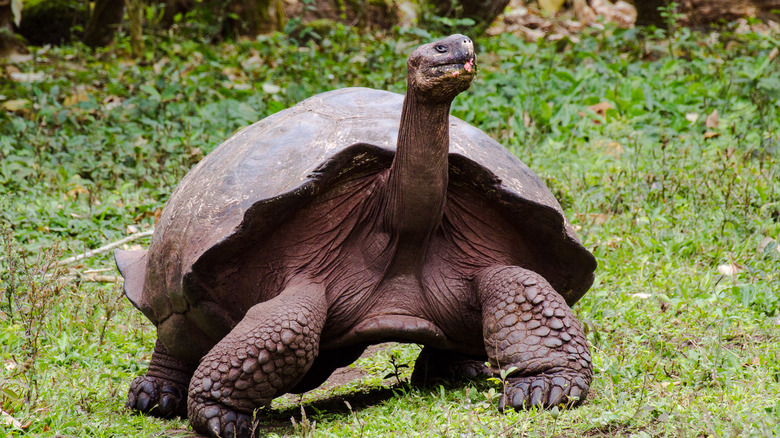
104	248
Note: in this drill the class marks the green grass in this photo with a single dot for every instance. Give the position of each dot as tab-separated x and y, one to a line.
679	348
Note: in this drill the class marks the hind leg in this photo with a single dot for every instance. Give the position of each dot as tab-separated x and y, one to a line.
265	356
162	391
528	325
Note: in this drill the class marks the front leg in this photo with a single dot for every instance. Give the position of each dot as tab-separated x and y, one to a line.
263	357
529	326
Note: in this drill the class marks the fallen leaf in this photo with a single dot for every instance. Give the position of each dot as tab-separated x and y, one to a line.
768	242
131	229
711	134
773	54
526	119
34	76
111	102
158	66
75	192
620	12
531	34
711	122
641	296
756	361
233	74
692	117
601	108
8	420
271	88
551	6
730	269
20	58
614	148
253	62
16	105
584	13
599	218
79	95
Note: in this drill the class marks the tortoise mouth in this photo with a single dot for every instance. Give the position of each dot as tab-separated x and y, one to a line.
466	69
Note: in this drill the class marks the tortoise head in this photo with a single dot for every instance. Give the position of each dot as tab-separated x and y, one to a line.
441	70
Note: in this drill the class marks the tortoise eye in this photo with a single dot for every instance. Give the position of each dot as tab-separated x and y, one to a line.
441	49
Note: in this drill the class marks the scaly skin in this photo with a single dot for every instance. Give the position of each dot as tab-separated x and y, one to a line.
264	356
162	391
527	325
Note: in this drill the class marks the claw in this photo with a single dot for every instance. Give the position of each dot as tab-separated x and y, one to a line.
142	402
229	417
575	394
229	431
167	404
520	395
214	427
556	396
502	403
156	396
536	398
543	391
244	430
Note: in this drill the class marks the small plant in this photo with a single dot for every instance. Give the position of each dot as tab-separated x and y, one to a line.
397	367
110	299
32	289
357	421
502	379
304	428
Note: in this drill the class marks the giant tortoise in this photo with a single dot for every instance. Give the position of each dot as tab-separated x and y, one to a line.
357	217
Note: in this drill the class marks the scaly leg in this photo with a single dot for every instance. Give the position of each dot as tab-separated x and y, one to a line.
265	356
162	391
527	325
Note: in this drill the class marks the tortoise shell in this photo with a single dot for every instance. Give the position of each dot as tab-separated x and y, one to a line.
266	172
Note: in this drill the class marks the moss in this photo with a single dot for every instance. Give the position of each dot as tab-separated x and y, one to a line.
321	26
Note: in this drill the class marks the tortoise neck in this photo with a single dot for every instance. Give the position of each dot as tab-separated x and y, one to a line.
417	181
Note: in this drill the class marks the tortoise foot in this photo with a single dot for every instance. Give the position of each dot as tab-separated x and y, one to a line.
545	391
218	420
158	397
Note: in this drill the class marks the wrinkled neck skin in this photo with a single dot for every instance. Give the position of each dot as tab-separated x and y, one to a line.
417	182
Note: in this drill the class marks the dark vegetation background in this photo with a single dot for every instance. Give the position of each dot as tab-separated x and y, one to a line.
661	142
